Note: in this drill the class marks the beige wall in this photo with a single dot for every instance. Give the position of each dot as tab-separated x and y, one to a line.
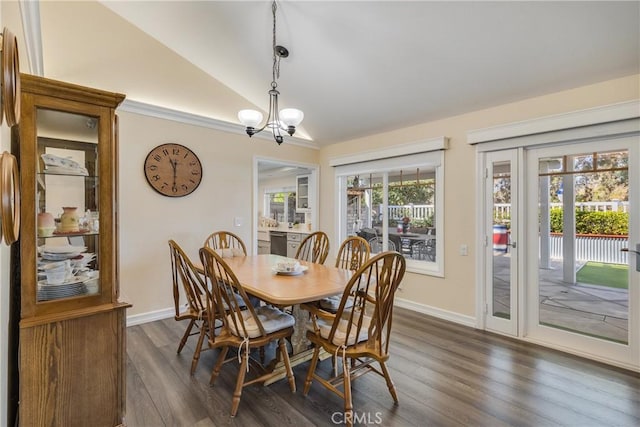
456	291
148	220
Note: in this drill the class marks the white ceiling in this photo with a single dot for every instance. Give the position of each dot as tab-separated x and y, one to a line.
356	67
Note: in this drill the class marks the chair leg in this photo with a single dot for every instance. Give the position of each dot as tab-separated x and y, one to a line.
239	384
183	341
196	353
287	364
312	369
348	404
216	368
387	377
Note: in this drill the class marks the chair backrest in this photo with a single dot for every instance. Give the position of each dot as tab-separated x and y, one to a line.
224	240
229	302
353	252
371	290
314	248
185	276
376	245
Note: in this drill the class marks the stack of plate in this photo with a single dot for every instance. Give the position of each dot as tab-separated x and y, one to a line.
60	253
72	287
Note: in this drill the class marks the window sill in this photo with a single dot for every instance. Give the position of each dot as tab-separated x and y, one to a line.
425	268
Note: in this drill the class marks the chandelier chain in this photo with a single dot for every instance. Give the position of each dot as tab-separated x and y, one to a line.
276	57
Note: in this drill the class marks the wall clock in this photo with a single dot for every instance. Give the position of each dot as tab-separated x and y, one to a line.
10	198
173	170
10	78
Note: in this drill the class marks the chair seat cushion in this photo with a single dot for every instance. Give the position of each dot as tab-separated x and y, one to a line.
333	302
271	318
340	337
229	252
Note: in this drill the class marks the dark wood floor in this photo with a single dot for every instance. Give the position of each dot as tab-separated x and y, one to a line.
445	374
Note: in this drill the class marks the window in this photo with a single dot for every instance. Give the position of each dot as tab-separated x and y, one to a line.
395	204
281	206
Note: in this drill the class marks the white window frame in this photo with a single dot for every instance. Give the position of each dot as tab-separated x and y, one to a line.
427	153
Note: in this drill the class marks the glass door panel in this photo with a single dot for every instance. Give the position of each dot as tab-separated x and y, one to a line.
501	221
582	291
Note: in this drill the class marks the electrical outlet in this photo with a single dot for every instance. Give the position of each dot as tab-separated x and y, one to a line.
237	221
464	250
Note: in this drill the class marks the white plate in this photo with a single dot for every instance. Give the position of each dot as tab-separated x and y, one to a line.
75	279
62	249
300	270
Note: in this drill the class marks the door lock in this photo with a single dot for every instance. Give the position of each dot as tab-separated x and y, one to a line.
637	252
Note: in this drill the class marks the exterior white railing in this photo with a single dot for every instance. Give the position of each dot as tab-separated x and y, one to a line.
415	212
605	249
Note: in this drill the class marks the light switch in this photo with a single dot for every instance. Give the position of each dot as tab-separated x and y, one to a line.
237	221
464	250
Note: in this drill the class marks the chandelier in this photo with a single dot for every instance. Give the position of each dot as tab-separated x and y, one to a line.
278	120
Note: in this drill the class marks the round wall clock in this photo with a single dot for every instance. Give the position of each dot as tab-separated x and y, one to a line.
173	170
10	198
10	78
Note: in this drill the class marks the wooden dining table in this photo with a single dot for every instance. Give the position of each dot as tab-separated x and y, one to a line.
257	275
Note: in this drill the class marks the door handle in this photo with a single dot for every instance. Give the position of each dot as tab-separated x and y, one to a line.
513	245
637	252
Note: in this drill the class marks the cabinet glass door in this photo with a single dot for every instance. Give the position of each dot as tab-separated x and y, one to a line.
67	205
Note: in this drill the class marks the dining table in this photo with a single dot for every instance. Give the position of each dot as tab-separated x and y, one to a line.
259	276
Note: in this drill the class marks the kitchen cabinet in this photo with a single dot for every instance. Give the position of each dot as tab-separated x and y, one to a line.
293	242
71	331
303	193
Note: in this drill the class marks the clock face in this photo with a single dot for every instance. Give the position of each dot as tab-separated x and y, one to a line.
173	170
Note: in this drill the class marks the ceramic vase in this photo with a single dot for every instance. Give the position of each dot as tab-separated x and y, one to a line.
46	224
69	220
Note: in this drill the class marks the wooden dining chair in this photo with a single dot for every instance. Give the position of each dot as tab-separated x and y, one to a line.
187	278
359	334
314	248
243	328
226	240
353	253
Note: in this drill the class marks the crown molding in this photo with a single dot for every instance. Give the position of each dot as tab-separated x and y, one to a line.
30	14
159	112
573	119
422	146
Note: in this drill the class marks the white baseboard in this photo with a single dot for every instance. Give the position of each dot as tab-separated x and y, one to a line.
138	319
437	312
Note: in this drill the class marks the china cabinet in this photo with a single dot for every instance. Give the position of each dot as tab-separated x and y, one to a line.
302	193
72	324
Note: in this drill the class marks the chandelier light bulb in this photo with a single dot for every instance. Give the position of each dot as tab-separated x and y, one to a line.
291	116
250	118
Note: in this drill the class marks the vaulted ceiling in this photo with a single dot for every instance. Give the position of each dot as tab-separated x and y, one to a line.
356	67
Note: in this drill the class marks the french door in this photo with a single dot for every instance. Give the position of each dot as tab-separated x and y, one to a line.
582	290
501	241
555	220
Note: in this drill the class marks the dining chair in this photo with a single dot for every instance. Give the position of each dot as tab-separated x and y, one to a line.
243	329
226	240
314	248
354	251
186	276
359	334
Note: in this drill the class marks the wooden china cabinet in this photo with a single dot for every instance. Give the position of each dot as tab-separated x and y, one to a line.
71	334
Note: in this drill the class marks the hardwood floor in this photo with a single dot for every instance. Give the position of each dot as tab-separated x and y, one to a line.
445	374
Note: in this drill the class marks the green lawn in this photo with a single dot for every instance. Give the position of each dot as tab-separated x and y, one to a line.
597	273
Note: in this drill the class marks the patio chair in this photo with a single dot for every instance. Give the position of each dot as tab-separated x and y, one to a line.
243	329
360	334
185	276
314	248
376	245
